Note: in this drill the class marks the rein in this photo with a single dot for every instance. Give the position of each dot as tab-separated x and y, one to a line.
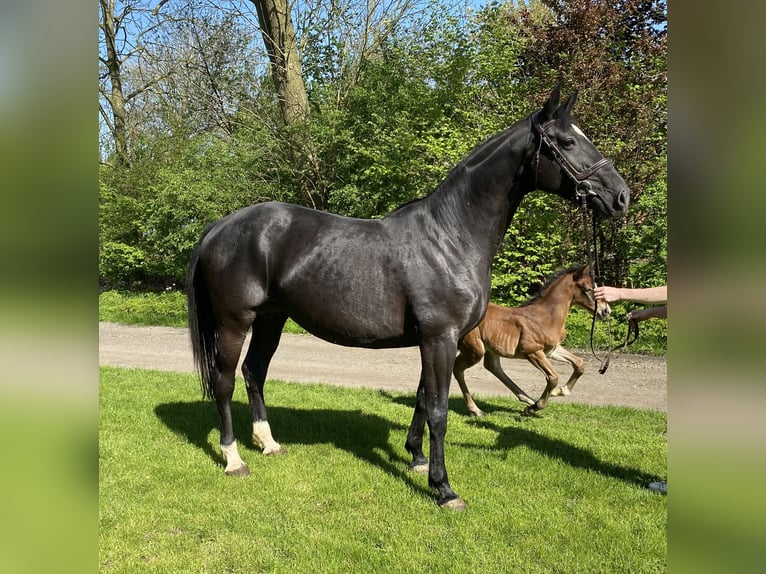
583	189
593	270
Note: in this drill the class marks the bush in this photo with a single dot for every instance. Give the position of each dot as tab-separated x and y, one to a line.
166	309
149	309
120	264
652	338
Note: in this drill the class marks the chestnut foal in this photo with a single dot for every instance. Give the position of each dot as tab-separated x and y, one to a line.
533	331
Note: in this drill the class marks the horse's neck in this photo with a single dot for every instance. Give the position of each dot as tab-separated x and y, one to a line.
482	194
557	302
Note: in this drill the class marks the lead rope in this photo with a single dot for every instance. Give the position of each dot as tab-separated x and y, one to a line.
593	270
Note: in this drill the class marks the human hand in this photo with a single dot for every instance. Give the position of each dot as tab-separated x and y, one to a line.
608	294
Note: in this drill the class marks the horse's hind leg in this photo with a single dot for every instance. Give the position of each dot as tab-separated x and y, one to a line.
492	364
267	330
229	347
578	369
414	442
470	353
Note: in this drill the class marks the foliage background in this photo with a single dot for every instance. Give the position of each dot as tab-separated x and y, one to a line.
387	123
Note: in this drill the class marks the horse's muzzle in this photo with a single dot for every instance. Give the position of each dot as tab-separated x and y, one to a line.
621	201
608	204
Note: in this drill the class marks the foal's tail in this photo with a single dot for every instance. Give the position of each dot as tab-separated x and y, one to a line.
202	324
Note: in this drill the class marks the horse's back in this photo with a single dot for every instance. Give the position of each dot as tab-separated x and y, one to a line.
341	278
360	282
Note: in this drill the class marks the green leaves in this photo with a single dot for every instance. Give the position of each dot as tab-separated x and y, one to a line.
388	128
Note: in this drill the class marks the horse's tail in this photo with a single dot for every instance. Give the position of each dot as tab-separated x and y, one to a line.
202	323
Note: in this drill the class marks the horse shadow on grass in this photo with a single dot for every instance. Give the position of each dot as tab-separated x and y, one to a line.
456	404
365	436
511	437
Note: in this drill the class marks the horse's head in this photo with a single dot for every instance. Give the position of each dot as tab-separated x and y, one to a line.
569	165
583	293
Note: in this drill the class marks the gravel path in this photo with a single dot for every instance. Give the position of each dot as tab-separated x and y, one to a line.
631	380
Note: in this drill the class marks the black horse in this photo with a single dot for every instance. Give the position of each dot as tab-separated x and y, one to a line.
419	276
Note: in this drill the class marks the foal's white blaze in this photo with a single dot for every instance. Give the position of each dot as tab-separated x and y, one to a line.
579	131
263	439
231	455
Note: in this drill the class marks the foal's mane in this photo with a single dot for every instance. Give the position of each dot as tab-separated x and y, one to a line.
551	280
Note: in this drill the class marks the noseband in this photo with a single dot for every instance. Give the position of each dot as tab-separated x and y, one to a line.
578	176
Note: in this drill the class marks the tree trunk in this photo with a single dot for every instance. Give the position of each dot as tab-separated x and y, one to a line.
115	97
279	38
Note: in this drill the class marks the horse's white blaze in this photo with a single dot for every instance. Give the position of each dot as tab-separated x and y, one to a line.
579	131
231	454
263	439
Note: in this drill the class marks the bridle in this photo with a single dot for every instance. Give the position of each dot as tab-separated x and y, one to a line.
583	190
580	177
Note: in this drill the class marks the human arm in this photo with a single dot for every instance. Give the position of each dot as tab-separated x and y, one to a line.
649	313
646	295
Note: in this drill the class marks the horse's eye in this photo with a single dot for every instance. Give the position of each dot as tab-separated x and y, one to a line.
568	143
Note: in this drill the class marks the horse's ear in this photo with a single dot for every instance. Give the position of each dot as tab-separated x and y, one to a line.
569	104
553	102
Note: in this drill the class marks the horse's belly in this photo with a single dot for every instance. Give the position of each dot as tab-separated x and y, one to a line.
341	319
357	332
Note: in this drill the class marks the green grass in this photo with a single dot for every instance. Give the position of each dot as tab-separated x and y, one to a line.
563	492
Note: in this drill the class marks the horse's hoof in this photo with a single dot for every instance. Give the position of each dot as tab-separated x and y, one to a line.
238	471
418	468
276	452
531	411
478	413
557	392
527	400
457	504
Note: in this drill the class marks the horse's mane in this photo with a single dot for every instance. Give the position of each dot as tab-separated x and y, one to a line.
479	153
551	280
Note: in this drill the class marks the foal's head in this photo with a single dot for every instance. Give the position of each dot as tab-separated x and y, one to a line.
582	287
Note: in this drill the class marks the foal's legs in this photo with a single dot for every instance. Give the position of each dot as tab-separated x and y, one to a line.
230	341
470	354
539	360
578	368
492	364
437	358
267	330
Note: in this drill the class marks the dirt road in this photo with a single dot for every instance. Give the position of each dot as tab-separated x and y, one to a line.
631	380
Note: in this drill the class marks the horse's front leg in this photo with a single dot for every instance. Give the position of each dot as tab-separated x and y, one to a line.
437	358
539	360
